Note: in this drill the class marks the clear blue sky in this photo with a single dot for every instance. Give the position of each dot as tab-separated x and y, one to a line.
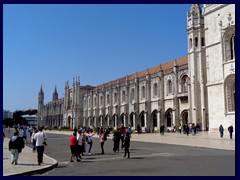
51	44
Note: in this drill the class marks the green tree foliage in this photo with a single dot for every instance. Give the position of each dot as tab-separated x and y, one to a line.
8	122
18	119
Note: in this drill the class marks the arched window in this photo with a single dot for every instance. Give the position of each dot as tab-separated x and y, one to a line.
108	99
101	101
203	43
132	94
229	44
115	97
184	87
169	87
123	96
142	120
232	46
155	90
95	101
230	93
196	42
89	102
190	43
143	92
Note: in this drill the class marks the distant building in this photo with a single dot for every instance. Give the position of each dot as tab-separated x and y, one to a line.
7	114
31	119
198	88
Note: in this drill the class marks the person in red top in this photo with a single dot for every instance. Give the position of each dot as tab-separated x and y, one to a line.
73	142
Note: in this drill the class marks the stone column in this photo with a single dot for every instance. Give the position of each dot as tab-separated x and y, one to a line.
134	121
158	120
145	119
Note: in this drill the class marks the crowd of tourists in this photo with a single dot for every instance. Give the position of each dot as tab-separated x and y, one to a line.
81	140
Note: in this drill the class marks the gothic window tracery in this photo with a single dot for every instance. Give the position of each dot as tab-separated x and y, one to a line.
184	87
143	92
115	97
132	94
229	44
230	93
123	96
108	99
196	42
155	90
169	87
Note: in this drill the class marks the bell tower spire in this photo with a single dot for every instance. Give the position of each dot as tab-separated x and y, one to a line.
196	65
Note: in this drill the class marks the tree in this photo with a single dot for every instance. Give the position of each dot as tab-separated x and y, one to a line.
8	122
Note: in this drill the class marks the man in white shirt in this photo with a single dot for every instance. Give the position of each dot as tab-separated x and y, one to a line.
40	138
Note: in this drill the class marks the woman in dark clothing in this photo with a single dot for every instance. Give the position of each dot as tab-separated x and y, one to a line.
116	140
126	145
187	129
230	129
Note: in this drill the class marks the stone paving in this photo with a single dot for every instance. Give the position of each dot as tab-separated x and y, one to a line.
28	160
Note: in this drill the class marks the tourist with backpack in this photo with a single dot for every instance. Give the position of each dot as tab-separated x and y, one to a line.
16	144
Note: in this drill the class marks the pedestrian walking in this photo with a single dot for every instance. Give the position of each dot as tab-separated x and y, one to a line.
79	147
230	130
40	138
33	141
187	129
84	139
180	128
123	133
126	145
24	134
129	130
116	140
73	147
138	129
16	144
162	128
89	134
30	130
102	139
221	130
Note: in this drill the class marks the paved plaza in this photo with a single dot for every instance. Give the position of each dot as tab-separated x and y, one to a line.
28	159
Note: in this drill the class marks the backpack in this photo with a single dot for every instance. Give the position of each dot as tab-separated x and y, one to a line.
105	136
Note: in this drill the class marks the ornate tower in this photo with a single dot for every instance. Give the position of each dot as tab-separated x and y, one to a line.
55	94
196	66
40	106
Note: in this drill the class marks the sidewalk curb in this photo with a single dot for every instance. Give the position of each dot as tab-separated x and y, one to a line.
37	171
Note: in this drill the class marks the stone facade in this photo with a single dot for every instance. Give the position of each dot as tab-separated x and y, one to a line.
198	88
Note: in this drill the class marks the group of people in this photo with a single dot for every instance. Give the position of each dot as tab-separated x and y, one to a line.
83	136
221	131
17	143
78	142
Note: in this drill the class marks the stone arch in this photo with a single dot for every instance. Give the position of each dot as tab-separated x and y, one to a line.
229	92
121	119
184	83
184	117
131	120
229	43
142	119
153	122
69	121
168	118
